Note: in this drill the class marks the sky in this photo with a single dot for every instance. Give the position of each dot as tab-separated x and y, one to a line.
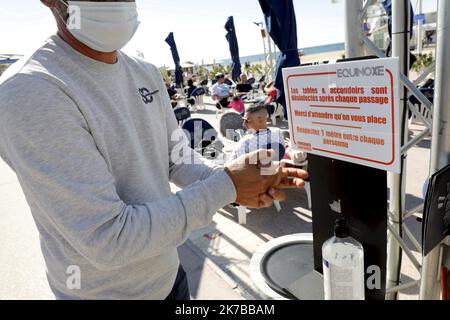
198	26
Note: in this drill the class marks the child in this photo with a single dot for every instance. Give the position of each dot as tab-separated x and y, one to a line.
258	135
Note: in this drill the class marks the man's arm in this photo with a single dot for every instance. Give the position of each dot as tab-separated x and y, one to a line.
186	165
50	147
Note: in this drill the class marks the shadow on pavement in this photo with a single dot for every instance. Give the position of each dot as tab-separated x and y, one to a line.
268	224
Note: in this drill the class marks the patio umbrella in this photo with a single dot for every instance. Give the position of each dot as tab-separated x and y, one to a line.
282	27
234	48
176	58
387	4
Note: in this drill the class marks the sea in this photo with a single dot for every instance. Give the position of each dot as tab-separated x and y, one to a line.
306	51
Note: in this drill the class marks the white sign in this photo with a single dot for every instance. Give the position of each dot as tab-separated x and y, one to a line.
347	111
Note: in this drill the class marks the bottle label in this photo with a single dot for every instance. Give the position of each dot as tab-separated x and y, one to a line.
339	282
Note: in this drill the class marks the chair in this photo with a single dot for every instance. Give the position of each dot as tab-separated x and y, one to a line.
257	84
204	85
182	114
203	137
199	94
278	111
231	84
428	91
221	110
263	78
231	126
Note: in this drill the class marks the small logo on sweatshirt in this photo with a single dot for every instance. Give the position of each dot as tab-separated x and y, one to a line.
146	95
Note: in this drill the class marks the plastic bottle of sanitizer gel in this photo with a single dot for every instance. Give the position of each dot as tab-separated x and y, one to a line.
343	265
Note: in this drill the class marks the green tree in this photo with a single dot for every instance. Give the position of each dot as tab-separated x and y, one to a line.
423	61
201	71
256	69
164	73
215	70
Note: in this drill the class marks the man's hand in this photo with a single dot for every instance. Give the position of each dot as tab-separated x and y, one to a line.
288	176
254	187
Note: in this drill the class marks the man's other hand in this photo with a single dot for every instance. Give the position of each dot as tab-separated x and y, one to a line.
254	187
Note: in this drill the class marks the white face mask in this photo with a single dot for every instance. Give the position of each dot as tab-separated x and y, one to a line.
103	26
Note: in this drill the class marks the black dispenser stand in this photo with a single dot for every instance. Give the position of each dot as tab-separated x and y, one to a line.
360	193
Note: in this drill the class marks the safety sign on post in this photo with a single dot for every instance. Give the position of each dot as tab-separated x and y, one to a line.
347	111
420	17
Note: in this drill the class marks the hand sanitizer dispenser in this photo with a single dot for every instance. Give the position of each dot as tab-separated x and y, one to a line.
343	265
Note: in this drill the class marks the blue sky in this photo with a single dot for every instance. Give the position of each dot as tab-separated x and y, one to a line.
197	25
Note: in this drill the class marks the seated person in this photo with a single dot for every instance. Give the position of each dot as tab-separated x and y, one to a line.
221	92
271	92
260	136
190	88
271	96
173	94
244	86
237	105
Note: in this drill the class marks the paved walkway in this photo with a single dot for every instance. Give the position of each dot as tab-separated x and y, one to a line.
22	269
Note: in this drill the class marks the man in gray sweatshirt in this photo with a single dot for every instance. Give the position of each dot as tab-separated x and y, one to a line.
92	137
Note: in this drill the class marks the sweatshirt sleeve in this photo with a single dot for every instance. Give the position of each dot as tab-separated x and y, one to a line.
186	165
48	144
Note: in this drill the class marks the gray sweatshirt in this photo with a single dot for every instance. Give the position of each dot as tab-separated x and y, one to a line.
94	149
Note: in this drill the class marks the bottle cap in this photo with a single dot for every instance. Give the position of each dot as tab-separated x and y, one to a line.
341	229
